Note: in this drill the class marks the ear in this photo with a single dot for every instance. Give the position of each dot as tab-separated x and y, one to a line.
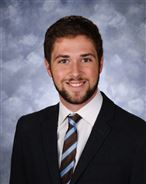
101	64
48	67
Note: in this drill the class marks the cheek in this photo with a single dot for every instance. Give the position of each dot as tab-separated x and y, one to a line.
93	74
57	75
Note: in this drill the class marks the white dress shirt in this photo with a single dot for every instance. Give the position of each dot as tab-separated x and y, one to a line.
89	115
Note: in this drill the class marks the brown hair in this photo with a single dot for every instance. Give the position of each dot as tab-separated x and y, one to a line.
72	26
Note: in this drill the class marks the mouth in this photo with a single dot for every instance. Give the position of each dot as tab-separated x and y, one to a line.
76	83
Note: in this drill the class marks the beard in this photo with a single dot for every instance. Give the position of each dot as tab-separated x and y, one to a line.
65	94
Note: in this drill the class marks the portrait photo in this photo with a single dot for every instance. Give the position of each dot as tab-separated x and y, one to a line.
63	58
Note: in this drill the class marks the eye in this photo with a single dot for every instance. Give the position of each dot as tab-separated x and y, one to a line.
63	61
86	60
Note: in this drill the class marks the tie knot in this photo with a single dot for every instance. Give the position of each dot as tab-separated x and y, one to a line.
75	117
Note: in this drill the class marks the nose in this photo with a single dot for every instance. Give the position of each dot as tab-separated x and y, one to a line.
75	69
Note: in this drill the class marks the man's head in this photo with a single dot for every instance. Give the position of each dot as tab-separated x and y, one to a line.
72	26
73	58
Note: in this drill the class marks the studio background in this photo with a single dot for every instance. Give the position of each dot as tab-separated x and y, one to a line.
25	85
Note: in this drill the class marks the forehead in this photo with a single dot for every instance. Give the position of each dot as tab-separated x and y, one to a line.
73	37
79	42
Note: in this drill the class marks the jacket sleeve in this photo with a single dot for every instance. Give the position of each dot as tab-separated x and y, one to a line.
17	173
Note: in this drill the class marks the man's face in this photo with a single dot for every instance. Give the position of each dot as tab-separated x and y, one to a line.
75	69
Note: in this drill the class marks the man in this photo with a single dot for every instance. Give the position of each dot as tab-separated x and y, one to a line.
85	138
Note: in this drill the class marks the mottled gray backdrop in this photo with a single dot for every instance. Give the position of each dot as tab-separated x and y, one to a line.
25	85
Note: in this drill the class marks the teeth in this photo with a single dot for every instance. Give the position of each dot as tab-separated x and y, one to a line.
75	83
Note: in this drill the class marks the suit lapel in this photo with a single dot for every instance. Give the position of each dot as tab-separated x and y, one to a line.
49	140
98	135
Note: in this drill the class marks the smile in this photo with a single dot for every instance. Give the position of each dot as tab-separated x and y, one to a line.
76	83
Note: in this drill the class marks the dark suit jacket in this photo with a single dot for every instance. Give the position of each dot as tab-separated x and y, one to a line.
114	153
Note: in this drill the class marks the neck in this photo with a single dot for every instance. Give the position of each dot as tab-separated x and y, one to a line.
76	107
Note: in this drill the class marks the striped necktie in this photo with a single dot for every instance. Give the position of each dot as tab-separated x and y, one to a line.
69	150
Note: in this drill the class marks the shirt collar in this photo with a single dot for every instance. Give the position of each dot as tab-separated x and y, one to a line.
63	113
89	112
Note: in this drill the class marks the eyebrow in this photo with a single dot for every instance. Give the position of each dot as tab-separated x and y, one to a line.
62	56
88	54
82	55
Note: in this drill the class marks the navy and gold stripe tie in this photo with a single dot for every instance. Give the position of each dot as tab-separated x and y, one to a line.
69	150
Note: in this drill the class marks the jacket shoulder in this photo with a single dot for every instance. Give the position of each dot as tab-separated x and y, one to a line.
33	120
128	117
129	123
123	119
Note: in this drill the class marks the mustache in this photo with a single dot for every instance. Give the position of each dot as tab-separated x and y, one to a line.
74	79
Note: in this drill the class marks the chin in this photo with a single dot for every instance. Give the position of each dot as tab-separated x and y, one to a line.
75	100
